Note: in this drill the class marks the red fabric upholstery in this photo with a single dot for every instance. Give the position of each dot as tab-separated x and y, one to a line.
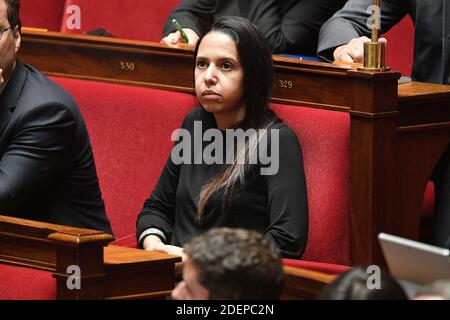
18	283
400	47
325	139
137	19
42	14
328	268
324	136
130	130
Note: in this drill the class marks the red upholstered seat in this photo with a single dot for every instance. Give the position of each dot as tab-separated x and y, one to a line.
137	19
45	14
325	139
130	130
324	136
400	48
26	284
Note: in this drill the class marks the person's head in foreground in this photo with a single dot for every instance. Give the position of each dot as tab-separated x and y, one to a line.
359	284
232	264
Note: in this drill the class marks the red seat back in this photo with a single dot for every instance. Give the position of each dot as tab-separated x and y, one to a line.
130	130
400	47
137	19
325	139
18	283
45	14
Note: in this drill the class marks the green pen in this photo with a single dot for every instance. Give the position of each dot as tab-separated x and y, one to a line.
180	30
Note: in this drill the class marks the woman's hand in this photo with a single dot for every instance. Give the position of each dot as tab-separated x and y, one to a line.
151	242
169	249
154	243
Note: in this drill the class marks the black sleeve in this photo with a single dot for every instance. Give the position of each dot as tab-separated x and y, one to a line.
293	26
287	198
159	209
352	21
192	14
36	153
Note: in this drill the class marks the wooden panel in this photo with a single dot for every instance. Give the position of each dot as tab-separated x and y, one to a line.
154	65
114	60
112	272
302	284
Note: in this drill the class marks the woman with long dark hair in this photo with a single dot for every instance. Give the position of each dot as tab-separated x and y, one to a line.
209	183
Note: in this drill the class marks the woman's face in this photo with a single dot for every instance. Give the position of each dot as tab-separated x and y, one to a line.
219	77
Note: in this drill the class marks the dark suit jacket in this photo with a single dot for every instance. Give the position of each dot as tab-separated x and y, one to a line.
47	170
291	26
432	32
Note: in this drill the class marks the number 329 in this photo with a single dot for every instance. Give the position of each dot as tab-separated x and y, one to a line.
285	84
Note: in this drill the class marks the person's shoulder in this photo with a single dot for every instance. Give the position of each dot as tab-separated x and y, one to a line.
39	90
285	132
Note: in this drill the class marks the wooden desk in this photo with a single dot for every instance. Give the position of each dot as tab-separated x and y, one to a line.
106	271
302	284
146	274
398	132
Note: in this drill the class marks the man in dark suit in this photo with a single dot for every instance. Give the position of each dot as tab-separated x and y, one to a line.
290	26
342	37
47	170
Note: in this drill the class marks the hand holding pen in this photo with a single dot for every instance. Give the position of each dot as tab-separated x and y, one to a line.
182	35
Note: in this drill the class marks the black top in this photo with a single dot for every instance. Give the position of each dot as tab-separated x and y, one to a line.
290	26
47	170
272	204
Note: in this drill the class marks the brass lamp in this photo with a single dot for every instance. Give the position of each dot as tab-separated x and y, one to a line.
374	51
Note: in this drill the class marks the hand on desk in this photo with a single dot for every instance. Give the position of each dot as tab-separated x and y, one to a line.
154	243
353	51
175	37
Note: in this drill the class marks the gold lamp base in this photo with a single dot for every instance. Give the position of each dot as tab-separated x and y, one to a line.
374	57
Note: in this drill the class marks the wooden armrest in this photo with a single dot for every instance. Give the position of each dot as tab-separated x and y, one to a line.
137	274
38	245
300	284
106	272
32	29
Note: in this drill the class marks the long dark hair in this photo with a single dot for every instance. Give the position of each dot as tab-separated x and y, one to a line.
256	60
